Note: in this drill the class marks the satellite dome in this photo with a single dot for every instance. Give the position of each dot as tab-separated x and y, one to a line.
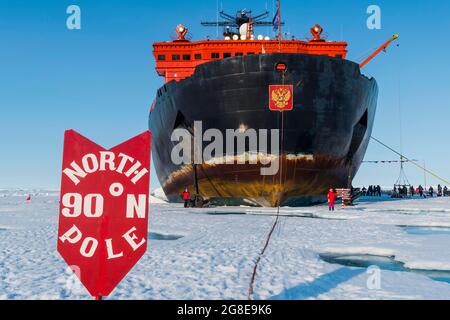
243	30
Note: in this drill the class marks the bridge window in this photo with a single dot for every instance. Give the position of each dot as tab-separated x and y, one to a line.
175	57
250	53
215	55
198	56
239	54
186	57
161	57
227	54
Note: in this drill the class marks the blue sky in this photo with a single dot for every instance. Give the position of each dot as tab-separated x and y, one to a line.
100	80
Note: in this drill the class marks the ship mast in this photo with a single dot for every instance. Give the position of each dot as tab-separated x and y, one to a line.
244	17
280	35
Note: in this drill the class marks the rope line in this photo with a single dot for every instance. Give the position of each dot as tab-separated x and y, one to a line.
258	259
412	161
365	54
269	236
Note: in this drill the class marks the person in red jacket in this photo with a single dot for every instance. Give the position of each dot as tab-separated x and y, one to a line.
331	199
186	197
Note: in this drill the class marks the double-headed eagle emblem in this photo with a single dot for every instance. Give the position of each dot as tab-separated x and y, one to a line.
281	97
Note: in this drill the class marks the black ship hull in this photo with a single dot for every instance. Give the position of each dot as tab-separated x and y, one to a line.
324	141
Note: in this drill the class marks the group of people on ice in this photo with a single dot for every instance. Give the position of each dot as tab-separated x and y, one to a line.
372	191
441	192
399	191
404	191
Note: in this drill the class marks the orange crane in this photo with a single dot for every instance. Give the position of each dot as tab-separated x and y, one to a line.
382	48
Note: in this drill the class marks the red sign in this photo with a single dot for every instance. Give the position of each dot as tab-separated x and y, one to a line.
281	97
103	218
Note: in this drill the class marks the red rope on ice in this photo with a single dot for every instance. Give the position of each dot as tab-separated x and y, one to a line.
269	236
266	245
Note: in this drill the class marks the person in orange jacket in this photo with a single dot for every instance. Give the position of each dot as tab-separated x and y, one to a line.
331	199
186	197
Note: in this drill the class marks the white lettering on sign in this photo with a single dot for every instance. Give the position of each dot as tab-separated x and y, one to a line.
131	238
89	245
136	206
75	173
72	201
104	208
73	205
92	206
90	163
123	162
106	160
72	236
95	211
109	248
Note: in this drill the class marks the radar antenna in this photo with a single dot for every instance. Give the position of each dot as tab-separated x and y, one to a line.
241	17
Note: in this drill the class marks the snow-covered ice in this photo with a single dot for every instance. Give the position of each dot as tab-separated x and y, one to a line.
209	253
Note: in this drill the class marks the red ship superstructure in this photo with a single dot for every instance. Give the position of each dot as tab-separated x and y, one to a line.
178	59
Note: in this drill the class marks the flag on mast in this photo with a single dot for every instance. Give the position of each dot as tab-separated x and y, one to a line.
276	20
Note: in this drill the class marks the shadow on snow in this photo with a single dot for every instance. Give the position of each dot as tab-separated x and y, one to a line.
319	286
